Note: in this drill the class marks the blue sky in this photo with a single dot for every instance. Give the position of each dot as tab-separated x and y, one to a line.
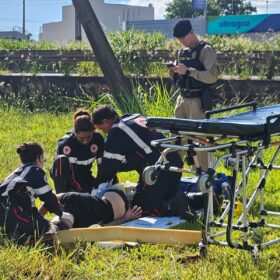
44	11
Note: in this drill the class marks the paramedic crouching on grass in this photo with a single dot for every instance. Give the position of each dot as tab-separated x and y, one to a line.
18	215
128	148
76	153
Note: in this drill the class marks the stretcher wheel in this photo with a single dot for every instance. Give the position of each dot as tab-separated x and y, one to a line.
256	235
203	183
255	253
203	252
230	163
149	175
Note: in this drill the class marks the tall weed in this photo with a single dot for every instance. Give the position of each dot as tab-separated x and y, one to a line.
151	100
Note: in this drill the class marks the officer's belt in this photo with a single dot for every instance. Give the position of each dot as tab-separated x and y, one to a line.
191	93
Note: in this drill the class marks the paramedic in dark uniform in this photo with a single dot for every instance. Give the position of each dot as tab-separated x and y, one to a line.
76	152
128	147
109	206
19	216
195	73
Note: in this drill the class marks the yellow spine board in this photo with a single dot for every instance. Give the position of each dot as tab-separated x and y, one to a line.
130	234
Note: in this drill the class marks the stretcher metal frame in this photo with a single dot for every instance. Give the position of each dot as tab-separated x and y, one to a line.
224	143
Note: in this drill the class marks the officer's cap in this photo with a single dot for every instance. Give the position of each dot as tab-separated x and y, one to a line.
182	28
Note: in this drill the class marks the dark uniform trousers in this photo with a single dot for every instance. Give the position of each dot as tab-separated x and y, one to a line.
19	216
3	210
66	181
22	222
151	198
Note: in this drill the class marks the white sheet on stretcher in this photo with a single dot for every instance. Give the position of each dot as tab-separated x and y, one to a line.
155	222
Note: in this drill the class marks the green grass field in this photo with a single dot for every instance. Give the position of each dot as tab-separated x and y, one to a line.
87	261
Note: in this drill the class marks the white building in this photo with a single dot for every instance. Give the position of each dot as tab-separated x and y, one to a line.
110	16
165	26
14	35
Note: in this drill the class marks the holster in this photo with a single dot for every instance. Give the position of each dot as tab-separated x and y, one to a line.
206	99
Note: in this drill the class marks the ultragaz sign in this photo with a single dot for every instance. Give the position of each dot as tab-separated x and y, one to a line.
243	24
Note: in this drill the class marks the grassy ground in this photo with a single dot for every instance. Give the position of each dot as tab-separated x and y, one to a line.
87	261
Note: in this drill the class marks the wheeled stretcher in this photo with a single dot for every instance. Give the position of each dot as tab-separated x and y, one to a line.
243	141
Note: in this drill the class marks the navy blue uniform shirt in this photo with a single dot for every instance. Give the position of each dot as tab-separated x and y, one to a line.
81	156
25	184
128	147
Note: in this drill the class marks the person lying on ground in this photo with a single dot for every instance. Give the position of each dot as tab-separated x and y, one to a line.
110	207
76	152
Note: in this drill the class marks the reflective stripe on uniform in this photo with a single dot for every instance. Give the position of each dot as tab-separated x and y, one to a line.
114	156
32	195
43	190
17	179
9	177
134	137
67	135
81	162
134	116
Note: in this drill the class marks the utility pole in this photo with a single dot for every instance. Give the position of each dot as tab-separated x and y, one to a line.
266	6
205	18
105	56
78	28
23	17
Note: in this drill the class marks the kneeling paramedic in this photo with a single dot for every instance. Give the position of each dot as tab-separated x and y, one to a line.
20	218
76	153
128	148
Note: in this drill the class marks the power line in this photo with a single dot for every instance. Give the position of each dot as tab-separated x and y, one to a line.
9	20
27	20
37	4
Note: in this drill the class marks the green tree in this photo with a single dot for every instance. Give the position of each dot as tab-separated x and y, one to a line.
236	7
179	9
183	8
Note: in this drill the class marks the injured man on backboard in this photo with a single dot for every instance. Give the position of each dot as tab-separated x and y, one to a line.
110	206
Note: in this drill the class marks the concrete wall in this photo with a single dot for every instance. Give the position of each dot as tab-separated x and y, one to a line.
110	17
34	89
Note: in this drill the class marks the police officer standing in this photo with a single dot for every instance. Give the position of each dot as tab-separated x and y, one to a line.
195	73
